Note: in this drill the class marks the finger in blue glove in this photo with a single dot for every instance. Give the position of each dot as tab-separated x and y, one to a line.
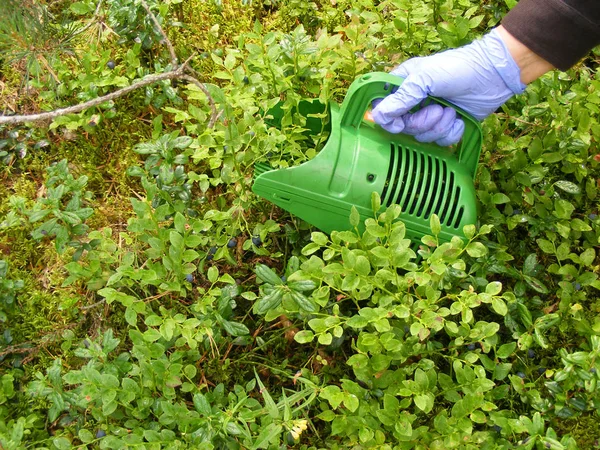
478	78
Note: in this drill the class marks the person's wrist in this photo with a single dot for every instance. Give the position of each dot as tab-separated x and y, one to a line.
532	66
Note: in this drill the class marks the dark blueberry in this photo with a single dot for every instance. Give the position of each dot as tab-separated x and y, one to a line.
530	353
541	370
209	257
497	428
471	346
593	370
593	216
406	328
100	434
110	64
252	133
212	250
516	212
232	243
302	78
246	80
189	277
44	232
577	286
256	241
284	278
269	154
521	374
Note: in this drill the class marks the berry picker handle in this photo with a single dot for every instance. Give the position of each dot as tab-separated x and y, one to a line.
375	85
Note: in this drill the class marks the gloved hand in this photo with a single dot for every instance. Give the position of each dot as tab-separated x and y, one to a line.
478	78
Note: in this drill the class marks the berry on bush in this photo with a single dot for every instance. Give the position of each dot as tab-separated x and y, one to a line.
256	241
100	434
232	243
110	64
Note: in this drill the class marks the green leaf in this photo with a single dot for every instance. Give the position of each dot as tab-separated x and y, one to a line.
269	402
267	436
325	339
85	436
80	8
176	240
61	443
375	202
131	316
567	186
318	238
493	288
235	328
303	302
304	336
506	350
268	302
201	404
434	224
536	284
212	274
580	225
587	257
546	246
476	249
500	198
354	216
499	306
424	402
266	274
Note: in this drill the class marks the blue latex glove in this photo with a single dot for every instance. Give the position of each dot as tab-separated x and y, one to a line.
478	78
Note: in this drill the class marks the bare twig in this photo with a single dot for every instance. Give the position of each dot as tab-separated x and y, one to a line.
93	305
150	79
162	33
215	112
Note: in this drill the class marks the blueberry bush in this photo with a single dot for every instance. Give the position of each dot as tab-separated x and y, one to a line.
149	300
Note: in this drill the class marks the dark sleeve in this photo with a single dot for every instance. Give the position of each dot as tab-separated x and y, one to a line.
560	31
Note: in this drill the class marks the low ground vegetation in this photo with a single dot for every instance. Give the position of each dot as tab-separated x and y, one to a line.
148	299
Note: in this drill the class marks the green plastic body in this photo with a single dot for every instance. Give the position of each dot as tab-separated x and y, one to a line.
360	158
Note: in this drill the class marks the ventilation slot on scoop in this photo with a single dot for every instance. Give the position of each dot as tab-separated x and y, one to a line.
422	185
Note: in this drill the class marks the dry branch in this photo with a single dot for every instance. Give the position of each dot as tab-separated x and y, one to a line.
150	79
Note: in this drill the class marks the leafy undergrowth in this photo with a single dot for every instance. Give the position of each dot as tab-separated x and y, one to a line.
149	299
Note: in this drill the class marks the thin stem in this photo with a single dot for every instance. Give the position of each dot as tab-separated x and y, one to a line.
162	33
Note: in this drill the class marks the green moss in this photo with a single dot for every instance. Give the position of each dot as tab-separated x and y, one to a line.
585	430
